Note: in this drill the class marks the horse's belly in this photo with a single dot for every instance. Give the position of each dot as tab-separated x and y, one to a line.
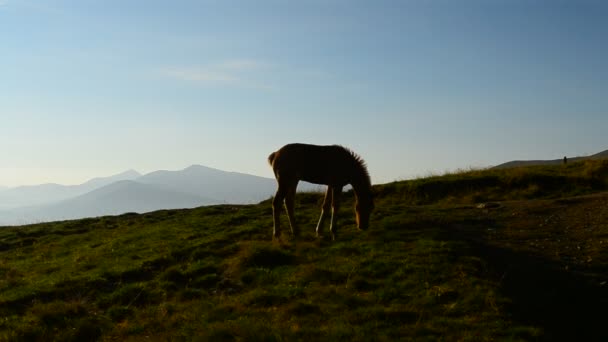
315	179
323	179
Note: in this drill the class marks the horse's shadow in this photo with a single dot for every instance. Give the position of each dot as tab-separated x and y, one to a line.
566	305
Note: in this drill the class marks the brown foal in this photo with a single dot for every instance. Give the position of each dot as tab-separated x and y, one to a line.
334	166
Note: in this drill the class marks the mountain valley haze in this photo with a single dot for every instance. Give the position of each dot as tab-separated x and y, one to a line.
132	192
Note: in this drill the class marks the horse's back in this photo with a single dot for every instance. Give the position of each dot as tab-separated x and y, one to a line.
313	163
300	155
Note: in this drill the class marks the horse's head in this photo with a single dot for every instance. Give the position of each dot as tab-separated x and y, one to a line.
363	211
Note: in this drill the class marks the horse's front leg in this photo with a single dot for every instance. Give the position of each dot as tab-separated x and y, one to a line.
324	210
335	206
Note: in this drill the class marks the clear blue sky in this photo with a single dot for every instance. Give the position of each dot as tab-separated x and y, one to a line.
93	88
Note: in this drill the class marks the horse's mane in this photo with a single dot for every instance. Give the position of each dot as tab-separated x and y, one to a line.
360	164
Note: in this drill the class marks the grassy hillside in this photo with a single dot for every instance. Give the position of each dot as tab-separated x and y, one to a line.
474	186
432	266
520	163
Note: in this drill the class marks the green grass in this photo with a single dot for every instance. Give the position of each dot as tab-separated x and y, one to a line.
475	186
422	272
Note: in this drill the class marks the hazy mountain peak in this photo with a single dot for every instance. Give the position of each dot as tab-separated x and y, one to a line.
201	168
129	174
196	167
100	181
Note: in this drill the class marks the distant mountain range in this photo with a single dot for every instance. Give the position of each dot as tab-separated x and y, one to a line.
132	192
518	163
32	195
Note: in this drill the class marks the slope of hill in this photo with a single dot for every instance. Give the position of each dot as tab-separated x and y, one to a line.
601	155
532	182
519	163
523	269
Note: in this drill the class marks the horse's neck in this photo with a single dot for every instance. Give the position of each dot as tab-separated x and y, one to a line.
361	187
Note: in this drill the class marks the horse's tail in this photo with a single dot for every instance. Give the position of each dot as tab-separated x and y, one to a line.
271	158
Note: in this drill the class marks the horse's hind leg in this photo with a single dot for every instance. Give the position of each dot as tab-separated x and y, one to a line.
324	210
335	206
276	211
289	206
